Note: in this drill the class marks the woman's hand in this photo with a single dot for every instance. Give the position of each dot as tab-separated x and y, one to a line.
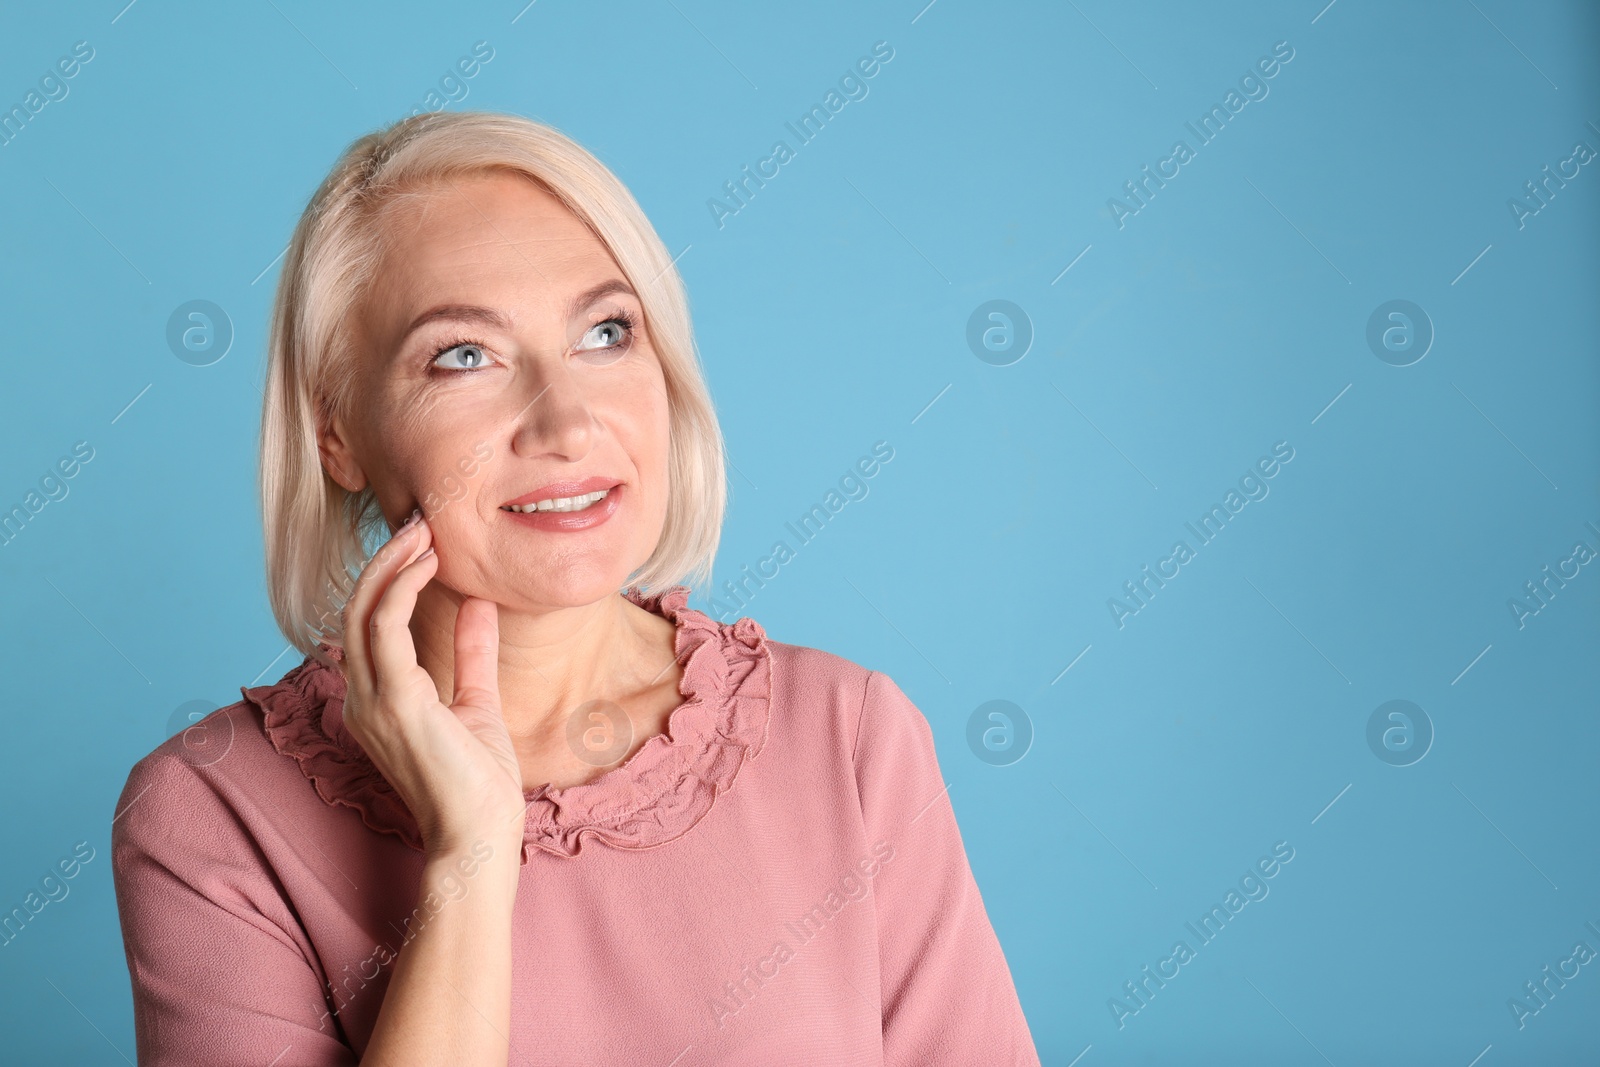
455	767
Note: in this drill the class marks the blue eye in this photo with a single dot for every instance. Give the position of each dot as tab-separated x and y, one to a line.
471	352
614	332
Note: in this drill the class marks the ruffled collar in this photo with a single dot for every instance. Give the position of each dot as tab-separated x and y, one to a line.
656	796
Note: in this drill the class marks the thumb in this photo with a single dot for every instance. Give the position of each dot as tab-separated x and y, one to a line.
477	647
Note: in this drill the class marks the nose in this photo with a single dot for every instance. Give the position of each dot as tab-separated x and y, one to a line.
556	420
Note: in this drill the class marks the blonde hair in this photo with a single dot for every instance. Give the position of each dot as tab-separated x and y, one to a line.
317	534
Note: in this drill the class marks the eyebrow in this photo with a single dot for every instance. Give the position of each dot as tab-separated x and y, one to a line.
496	319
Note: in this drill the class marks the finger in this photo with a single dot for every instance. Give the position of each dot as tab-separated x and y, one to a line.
403	546
374	579
391	649
477	655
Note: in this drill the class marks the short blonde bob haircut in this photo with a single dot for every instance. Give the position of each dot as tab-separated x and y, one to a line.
317	534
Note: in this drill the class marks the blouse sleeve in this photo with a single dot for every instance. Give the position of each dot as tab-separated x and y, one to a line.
219	975
947	993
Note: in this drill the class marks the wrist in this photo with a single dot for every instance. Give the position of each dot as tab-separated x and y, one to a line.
489	857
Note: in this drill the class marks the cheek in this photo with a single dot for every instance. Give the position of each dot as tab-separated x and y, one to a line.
641	421
660	452
435	482
459	483
436	465
661	414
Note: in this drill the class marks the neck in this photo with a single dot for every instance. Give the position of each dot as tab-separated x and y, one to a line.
551	660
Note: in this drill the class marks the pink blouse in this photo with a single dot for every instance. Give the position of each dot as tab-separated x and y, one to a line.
777	879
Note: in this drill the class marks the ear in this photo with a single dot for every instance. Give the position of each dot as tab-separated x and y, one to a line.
337	457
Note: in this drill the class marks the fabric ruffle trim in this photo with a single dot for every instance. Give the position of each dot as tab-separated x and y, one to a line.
662	790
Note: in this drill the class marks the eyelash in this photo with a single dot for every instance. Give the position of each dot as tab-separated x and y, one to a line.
617	315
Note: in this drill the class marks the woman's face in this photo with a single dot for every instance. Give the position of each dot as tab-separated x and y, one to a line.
503	352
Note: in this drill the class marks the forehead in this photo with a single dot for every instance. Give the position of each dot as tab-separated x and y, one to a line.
498	239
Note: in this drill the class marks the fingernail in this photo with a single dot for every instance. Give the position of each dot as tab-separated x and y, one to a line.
425	555
412	521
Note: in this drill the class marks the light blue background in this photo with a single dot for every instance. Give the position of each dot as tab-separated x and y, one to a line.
1228	314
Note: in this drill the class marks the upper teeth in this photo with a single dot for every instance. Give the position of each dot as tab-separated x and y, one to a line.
561	503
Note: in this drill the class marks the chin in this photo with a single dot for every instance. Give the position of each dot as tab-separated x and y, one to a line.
569	587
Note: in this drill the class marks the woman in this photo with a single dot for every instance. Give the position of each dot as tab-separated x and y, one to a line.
503	812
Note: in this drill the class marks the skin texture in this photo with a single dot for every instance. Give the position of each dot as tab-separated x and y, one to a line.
551	399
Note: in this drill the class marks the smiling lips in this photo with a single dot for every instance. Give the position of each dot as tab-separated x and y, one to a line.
561	503
567	506
559	493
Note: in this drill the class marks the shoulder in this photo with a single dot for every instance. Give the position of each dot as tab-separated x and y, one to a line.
197	784
862	699
815	668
